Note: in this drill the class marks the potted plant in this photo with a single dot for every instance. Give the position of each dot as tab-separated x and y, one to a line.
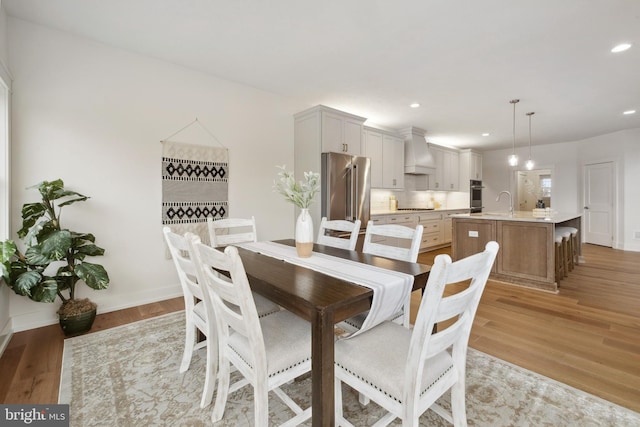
301	194
54	260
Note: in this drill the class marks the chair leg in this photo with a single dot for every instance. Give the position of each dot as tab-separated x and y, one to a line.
565	250
458	410
261	404
211	368
559	262
189	343
337	396
570	253
223	391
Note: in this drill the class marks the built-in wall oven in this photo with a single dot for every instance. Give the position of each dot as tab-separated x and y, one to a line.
475	196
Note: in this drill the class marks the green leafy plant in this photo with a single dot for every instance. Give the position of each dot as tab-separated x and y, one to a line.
49	247
299	193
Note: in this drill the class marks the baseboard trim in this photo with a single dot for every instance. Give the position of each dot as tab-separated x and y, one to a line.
7	333
105	305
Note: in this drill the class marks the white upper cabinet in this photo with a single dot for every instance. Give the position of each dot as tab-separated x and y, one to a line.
386	152
470	168
326	129
446	177
341	133
392	162
372	148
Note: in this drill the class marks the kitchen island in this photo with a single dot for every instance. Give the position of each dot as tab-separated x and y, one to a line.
527	244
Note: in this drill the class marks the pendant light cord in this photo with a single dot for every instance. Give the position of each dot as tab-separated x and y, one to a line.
514	129
530	114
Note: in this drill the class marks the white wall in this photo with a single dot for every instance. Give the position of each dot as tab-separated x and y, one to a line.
93	116
566	161
623	148
5	324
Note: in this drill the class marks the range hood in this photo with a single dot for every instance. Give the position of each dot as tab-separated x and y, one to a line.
418	160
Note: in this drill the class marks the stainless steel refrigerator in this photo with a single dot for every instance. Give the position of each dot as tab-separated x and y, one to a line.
346	187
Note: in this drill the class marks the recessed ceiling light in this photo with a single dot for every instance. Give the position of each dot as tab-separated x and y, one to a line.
485	134
629	112
621	47
414	105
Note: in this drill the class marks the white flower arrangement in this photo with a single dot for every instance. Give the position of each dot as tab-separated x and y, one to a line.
299	193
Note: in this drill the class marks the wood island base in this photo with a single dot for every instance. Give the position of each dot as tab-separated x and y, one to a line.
527	251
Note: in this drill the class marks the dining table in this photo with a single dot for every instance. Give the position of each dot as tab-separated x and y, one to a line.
323	300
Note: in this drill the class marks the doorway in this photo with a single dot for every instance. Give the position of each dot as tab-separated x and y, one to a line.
533	187
598	203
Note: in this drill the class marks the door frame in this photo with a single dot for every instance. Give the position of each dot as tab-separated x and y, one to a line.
614	198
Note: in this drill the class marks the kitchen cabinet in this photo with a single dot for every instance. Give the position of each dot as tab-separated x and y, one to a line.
437	226
470	168
372	148
329	130
446	177
319	130
386	152
341	133
432	233
393	162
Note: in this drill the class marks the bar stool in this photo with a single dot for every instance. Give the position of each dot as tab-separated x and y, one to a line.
575	245
571	254
559	257
565	253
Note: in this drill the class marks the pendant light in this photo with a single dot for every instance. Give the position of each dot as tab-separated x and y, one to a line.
529	165
513	159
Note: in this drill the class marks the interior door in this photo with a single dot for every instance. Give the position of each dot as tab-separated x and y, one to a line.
598	203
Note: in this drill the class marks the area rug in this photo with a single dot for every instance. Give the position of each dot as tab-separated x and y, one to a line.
128	376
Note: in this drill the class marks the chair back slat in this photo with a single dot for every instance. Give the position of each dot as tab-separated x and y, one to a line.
179	250
413	237
328	228
231	231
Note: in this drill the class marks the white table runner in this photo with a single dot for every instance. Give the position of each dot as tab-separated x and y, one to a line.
391	289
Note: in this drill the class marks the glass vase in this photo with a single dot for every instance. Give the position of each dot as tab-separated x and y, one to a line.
304	234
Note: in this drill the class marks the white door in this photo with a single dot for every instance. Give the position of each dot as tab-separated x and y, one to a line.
598	203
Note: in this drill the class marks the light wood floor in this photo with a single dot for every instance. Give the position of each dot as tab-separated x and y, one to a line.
587	336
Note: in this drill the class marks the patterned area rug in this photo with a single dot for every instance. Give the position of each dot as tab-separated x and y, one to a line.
128	376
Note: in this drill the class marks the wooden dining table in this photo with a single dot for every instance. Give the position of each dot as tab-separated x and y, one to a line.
323	301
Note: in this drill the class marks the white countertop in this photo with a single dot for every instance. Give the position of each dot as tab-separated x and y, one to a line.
401	212
554	218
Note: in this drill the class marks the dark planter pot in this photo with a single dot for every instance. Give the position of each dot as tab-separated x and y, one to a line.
77	324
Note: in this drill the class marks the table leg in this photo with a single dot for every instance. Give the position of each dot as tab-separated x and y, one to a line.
322	353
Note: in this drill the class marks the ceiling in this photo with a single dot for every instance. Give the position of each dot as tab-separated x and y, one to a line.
462	60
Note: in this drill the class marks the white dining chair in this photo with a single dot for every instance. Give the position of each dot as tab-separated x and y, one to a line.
406	371
230	231
327	233
195	313
196	317
413	237
268	351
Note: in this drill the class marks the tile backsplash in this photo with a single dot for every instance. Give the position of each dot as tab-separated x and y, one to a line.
418	199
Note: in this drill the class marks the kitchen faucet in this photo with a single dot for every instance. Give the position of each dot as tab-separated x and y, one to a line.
510	200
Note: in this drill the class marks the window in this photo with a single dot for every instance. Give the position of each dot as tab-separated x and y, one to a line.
545	185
